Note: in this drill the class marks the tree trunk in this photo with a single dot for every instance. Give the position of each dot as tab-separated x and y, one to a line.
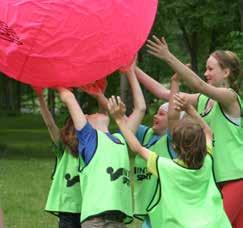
51	102
191	43
18	94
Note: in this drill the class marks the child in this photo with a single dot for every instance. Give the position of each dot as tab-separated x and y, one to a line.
221	106
64	196
189	196
105	183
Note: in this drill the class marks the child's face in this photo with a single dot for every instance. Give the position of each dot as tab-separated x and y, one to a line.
214	74
160	121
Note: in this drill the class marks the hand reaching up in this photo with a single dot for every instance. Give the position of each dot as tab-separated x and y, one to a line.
158	47
116	108
181	102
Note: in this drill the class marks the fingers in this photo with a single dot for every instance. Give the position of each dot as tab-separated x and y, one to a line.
158	41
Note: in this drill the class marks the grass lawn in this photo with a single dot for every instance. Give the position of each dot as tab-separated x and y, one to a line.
26	164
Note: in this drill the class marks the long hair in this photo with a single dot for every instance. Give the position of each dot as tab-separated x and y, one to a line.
189	141
228	59
68	136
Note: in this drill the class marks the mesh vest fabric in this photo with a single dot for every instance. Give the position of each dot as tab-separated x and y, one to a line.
105	181
190	199
145	183
65	193
228	147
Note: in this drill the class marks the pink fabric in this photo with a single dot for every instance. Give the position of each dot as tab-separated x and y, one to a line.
95	87
50	43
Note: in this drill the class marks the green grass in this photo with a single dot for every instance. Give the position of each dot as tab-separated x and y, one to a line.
26	164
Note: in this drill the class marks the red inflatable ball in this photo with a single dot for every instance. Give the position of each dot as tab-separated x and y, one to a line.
70	43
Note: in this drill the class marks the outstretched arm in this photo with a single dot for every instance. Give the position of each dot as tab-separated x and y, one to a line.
154	87
76	113
48	119
117	109
136	117
159	48
158	90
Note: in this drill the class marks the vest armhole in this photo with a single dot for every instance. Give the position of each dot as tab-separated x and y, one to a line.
158	188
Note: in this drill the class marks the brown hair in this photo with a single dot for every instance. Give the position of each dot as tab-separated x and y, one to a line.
228	59
189	141
68	136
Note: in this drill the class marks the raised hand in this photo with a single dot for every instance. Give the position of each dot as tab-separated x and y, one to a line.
158	47
181	102
116	108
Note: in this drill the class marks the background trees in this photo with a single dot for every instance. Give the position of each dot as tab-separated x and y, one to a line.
193	29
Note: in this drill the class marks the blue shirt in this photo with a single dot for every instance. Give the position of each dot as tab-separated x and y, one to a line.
87	142
141	132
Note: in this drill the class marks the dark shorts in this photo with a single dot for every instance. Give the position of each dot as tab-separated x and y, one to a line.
69	220
105	220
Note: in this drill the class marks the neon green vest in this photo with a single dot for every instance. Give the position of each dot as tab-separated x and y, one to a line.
105	181
65	193
145	184
228	148
189	197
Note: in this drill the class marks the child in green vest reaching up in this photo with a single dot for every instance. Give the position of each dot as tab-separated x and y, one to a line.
188	194
64	196
104	178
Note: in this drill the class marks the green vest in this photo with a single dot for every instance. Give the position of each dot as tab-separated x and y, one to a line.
105	180
65	193
228	147
145	184
189	198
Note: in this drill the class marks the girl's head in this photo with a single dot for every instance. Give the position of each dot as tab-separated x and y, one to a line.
68	136
189	142
160	122
223	67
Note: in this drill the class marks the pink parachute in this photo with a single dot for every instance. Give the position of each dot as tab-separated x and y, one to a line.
50	43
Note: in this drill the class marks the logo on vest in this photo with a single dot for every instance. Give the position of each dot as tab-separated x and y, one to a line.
7	33
71	181
121	172
142	173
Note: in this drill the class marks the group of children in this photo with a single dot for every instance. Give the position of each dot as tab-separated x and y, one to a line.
183	165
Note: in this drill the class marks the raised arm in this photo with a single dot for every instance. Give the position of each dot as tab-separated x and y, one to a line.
117	109
76	113
48	119
158	90
154	87
136	117
173	113
159	48
182	104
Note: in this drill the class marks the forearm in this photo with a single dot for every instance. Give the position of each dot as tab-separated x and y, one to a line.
185	73
154	87
173	114
138	101
131	140
76	113
194	114
48	119
102	102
